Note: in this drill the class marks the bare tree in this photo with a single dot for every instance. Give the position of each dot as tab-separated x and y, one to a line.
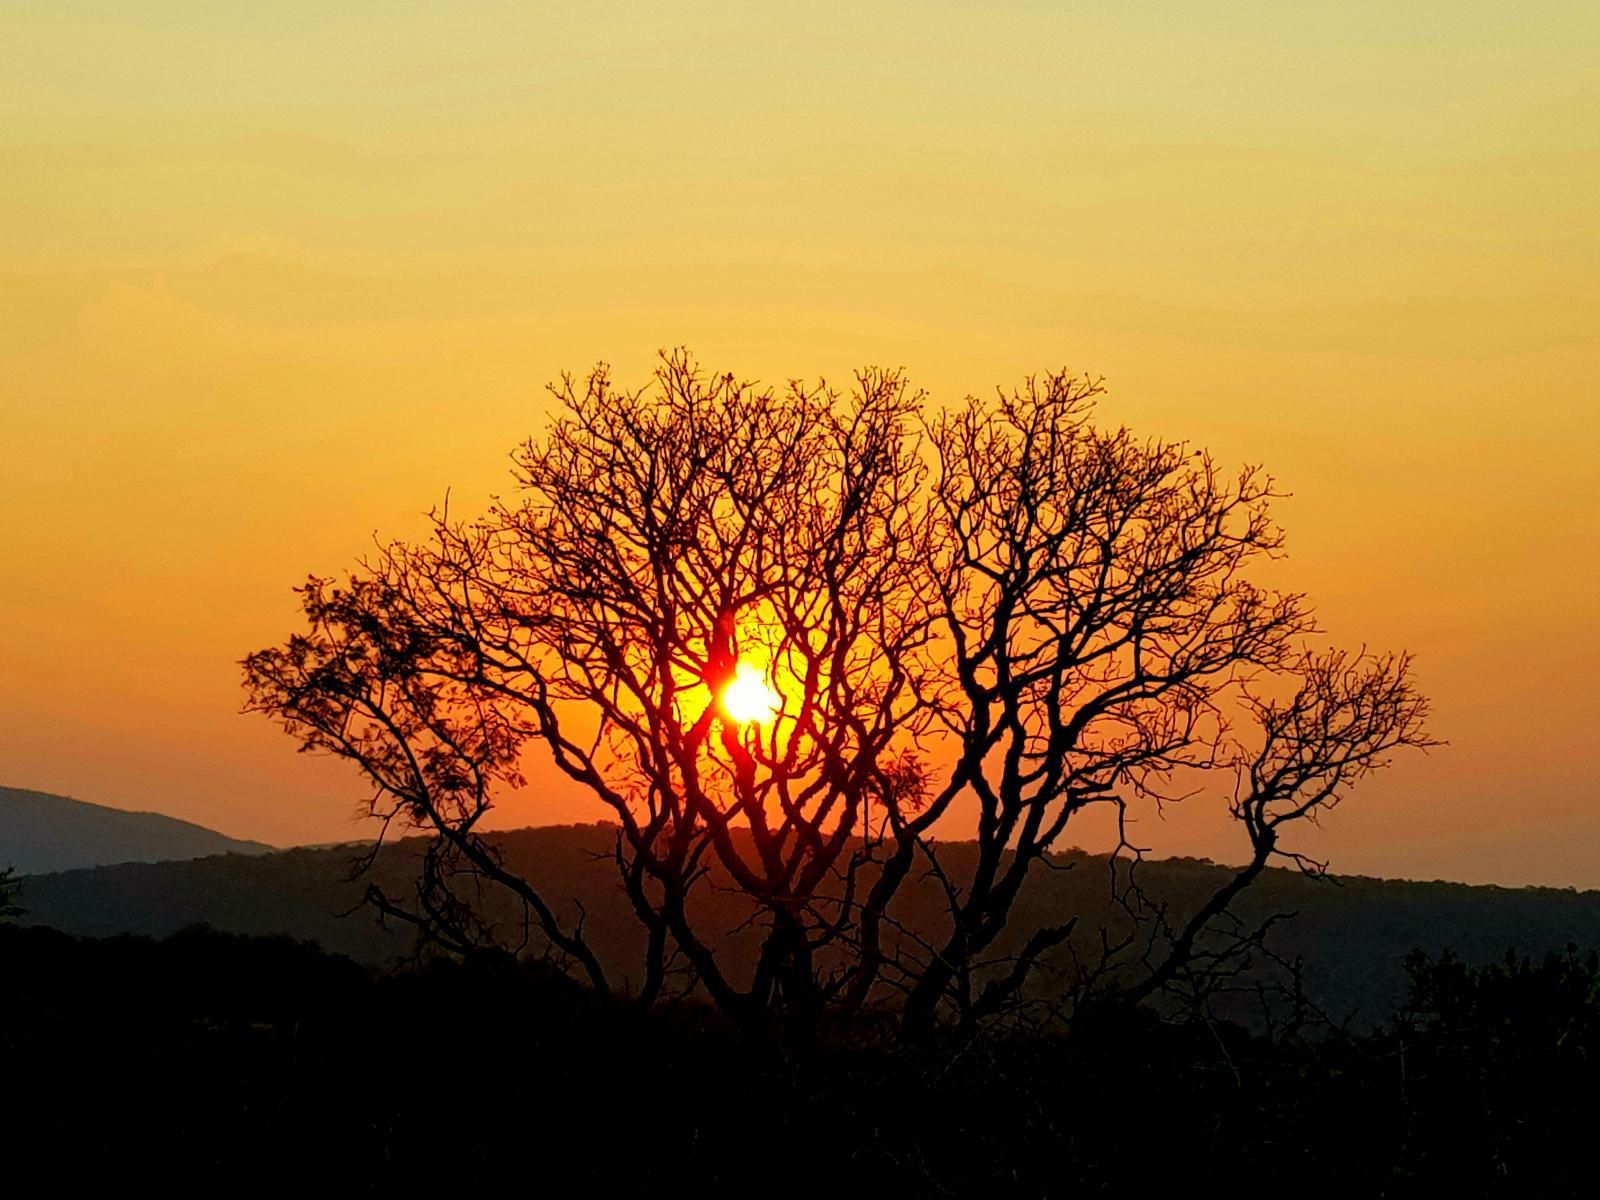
788	636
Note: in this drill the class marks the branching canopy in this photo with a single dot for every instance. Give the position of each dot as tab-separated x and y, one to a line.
1001	609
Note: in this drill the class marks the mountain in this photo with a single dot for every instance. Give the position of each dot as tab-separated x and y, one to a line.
1351	933
40	832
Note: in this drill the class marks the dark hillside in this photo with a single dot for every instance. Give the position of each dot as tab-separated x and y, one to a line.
1353	933
41	832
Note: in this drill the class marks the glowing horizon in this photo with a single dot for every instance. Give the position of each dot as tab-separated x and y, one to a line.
274	281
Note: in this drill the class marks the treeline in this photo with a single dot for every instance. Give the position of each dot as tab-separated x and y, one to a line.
223	1061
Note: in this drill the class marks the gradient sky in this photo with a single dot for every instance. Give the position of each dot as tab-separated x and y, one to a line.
274	277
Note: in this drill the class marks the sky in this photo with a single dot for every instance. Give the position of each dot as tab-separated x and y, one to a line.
275	277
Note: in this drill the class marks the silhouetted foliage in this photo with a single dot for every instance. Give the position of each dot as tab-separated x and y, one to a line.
250	1064
1000	609
1499	1064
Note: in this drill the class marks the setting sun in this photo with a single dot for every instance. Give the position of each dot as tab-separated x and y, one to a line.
750	697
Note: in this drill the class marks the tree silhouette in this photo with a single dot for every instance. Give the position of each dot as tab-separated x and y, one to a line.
787	637
8	894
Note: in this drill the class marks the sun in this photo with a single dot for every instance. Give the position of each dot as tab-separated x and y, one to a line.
750	697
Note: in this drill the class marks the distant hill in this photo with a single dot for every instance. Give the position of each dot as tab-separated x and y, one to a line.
40	832
1352	934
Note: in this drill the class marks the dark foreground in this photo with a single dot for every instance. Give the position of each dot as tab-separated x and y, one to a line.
216	1062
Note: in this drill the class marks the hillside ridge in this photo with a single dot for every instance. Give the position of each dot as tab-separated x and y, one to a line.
43	832
1351	934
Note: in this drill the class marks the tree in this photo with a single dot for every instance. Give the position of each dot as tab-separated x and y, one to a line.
789	637
8	895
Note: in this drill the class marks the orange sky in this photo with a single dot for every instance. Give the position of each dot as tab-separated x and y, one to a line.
271	280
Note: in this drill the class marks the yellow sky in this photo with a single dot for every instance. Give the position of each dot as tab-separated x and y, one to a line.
272	279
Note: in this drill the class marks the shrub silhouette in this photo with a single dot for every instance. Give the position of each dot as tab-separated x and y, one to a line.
209	1060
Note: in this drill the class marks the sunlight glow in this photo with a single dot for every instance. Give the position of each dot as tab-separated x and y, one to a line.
750	697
